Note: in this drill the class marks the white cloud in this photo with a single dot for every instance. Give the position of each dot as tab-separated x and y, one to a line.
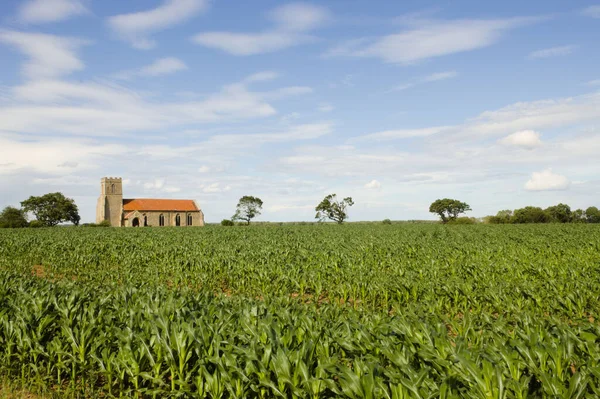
595	82
434	77
49	56
326	107
203	169
592	11
163	66
215	188
547	181
53	155
431	39
262	77
553	52
56	107
292	21
373	185
527	139
403	134
160	186
42	11
137	27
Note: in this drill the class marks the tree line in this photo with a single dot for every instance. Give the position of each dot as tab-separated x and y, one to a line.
560	213
49	210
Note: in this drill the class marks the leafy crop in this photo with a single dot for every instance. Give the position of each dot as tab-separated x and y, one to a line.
356	311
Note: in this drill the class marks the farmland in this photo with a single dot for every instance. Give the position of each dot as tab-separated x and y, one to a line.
381	311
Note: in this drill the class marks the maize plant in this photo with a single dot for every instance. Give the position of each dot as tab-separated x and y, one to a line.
316	311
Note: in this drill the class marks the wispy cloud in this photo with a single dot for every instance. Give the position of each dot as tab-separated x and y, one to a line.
136	28
50	56
162	66
44	11
434	77
431	39
291	22
592	11
553	52
528	139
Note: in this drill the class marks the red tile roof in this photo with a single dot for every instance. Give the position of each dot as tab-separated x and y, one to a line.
151	204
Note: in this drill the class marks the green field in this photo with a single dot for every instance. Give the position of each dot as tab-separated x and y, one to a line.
357	311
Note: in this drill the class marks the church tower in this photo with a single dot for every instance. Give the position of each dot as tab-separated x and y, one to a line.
110	202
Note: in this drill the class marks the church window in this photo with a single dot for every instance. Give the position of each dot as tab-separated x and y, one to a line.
177	220
161	220
112	188
145	221
189	220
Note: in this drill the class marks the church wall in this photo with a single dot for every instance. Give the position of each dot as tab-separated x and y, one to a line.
153	218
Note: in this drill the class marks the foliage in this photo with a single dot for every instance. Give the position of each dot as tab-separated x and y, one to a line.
35	224
592	214
560	213
52	209
12	217
332	209
386	221
463	220
248	208
104	223
401	311
227	222
448	209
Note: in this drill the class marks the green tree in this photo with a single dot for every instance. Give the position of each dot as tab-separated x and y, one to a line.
530	214
592	215
331	208
248	208
52	209
448	209
578	216
560	213
13	217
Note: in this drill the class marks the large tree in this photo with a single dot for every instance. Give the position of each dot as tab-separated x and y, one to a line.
592	214
331	208
248	208
52	209
12	217
560	213
448	209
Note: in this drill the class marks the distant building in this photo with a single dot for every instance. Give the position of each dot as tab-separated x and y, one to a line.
139	212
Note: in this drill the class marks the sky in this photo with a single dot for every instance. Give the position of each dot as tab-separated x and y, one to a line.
393	103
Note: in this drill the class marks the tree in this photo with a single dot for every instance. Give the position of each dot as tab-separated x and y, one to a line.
560	213
578	216
12	217
248	208
331	208
52	209
592	215
530	214
448	209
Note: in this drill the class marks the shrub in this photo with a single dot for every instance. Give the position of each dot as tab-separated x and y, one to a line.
463	220
36	224
227	222
386	221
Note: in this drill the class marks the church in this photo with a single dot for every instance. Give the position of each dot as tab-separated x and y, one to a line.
139	212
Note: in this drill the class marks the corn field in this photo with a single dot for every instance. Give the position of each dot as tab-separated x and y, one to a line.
322	311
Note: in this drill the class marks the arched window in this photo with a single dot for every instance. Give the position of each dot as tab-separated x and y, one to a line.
112	188
145	221
189	219
161	220
177	220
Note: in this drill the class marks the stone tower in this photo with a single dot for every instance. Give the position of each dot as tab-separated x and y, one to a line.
110	202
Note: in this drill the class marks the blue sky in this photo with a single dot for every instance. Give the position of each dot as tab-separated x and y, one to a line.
393	103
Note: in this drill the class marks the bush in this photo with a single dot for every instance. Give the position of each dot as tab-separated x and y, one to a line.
227	222
104	223
386	221
463	220
36	224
